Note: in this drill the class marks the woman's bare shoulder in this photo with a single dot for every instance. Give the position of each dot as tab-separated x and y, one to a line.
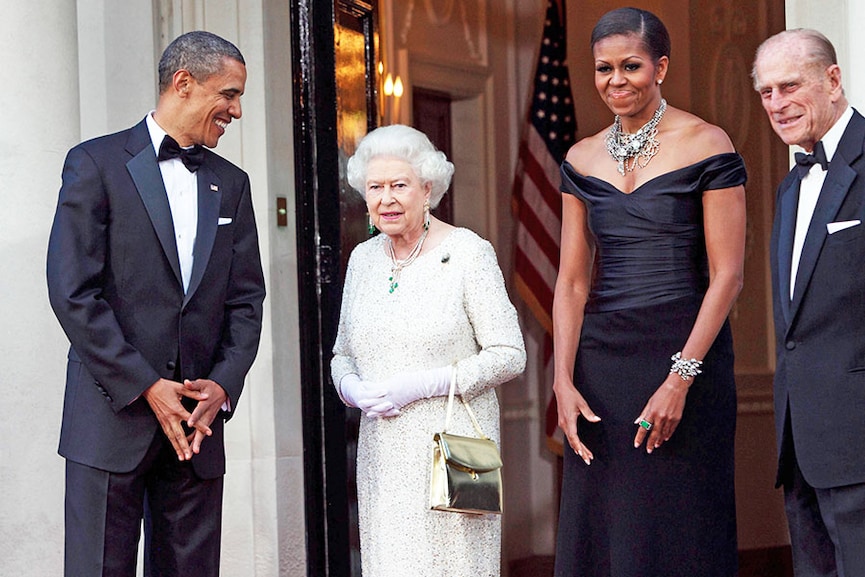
698	138
583	155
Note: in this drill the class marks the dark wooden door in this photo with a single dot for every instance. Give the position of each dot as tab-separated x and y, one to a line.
432	116
724	38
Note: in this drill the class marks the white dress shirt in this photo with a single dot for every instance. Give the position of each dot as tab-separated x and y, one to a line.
809	191
181	185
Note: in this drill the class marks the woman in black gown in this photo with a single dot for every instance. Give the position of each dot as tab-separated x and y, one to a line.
653	236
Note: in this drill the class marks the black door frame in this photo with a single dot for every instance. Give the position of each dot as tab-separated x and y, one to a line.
317	183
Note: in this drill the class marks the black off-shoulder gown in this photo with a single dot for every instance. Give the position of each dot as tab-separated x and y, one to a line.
671	513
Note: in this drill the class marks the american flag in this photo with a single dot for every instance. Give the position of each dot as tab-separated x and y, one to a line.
549	132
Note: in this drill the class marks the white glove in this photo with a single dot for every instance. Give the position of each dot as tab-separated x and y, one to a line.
405	388
364	395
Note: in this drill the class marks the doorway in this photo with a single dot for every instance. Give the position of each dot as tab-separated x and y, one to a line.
432	116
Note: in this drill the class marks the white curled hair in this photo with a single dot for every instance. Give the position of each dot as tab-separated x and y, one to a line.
404	142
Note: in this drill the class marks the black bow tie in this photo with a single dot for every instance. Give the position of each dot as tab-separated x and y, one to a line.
804	162
190	157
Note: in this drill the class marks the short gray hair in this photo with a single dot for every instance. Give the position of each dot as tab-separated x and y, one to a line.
817	50
200	53
404	142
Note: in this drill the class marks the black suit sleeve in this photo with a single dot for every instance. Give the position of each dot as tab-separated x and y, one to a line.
76	268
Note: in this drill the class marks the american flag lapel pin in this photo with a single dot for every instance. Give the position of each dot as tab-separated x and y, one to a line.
214	188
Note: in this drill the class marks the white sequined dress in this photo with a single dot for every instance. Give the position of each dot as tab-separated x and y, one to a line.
450	307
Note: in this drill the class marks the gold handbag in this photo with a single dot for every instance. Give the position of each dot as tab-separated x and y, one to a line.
466	471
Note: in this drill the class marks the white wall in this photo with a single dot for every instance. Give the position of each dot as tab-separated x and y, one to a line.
85	68
841	22
40	105
117	56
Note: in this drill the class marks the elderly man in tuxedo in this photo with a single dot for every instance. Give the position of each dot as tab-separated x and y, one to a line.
155	276
818	278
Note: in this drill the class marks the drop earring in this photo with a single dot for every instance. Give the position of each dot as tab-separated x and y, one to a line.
426	215
370	227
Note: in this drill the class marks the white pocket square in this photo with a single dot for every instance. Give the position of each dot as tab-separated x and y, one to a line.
223	220
834	227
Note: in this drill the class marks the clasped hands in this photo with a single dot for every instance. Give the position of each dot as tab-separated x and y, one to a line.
386	398
164	398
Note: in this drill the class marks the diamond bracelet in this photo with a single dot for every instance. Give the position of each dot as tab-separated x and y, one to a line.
685	368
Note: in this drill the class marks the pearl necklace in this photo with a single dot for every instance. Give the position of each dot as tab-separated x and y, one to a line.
632	150
398	265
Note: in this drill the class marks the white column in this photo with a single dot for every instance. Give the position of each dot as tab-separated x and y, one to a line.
117	58
852	73
41	121
840	21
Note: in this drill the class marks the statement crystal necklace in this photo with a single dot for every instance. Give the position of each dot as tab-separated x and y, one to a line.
632	150
398	265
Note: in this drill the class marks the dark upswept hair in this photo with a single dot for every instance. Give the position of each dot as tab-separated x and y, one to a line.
199	52
634	21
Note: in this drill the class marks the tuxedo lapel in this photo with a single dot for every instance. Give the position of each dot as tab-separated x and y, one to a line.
148	181
789	203
835	188
209	201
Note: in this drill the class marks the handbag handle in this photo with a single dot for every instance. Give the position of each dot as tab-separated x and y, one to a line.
464	403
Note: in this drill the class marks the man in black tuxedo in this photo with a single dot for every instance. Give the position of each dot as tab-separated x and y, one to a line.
818	278
155	276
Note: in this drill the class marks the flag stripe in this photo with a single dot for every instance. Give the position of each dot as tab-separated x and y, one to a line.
537	258
535	292
543	171
549	132
532	230
548	216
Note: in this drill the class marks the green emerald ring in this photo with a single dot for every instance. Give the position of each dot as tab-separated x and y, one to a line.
645	424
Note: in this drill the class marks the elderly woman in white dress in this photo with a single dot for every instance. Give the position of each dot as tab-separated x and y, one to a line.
421	300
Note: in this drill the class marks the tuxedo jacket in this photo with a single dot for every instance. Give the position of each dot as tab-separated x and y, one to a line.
114	283
820	334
